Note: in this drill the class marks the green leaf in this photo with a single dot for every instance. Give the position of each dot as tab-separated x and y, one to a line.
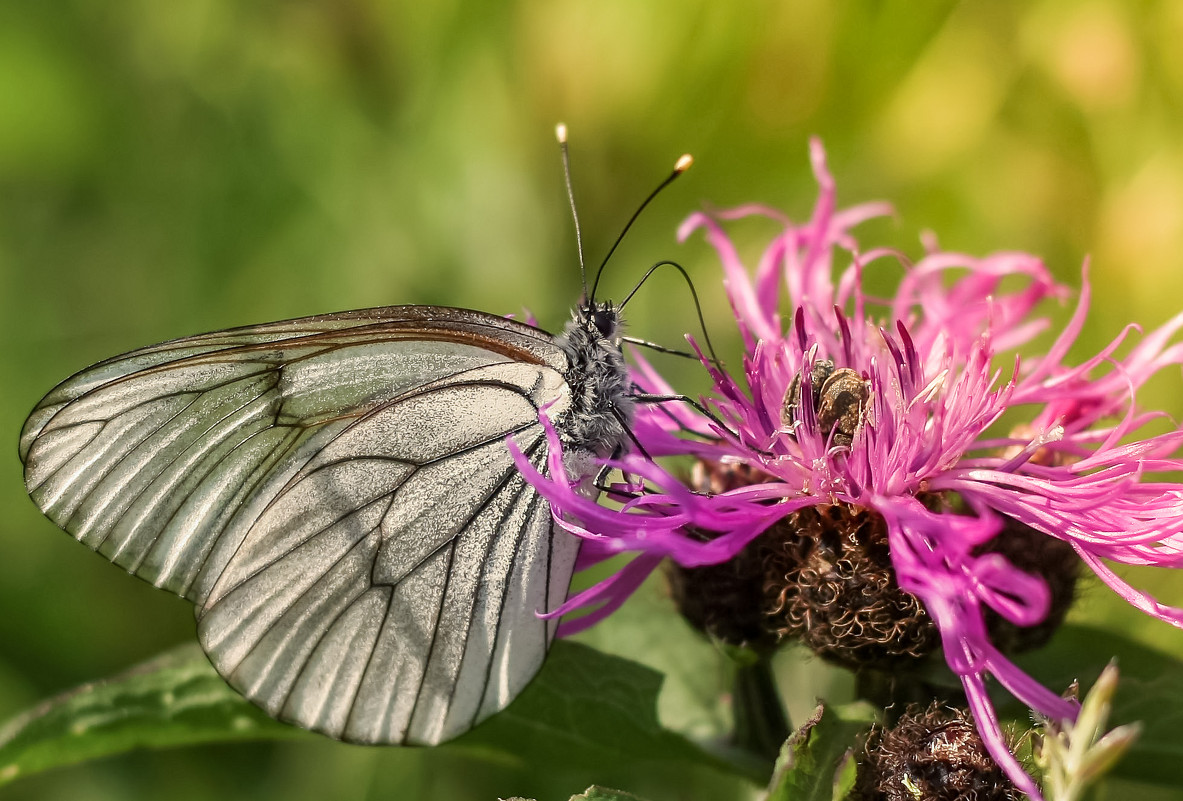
174	699
596	793
813	763
694	694
588	707
1150	690
584	707
845	776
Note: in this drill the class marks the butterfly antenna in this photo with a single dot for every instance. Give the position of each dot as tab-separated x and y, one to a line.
680	167
693	294
561	135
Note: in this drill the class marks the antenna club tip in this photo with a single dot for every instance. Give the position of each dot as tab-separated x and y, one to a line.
683	163
561	133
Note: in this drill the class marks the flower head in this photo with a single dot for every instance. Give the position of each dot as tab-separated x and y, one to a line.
931	753
893	408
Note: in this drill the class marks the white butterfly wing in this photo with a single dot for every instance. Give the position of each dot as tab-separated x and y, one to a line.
362	605
335	495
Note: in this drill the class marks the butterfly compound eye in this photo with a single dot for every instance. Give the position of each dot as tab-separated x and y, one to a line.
605	322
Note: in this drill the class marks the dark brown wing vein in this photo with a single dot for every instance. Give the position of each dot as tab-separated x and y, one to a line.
379	728
70	404
284	662
349	717
479	651
103	423
531	453
316	598
358	458
79	501
200	476
199	440
335	656
497	631
387	493
281	449
252	610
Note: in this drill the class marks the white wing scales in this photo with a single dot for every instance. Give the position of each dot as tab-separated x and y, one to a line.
394	509
336	496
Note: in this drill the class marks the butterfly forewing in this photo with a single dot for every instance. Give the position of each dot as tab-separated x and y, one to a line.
335	495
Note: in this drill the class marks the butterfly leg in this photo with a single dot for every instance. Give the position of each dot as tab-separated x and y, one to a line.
621	490
611	489
647	397
644	343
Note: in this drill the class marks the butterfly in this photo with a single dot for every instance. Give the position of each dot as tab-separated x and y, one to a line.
336	496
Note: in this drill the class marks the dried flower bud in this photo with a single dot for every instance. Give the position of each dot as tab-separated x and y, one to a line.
932	754
1033	552
724	601
828	581
823	575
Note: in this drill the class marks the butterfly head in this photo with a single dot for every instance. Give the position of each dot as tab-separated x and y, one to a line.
600	319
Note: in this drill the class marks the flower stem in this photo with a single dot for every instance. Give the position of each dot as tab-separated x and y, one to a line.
761	726
894	692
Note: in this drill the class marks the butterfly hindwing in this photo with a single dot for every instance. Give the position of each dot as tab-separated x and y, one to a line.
335	495
440	628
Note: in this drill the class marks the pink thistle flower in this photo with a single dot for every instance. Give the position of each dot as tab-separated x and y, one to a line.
927	375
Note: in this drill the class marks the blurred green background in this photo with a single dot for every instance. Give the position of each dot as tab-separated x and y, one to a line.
172	168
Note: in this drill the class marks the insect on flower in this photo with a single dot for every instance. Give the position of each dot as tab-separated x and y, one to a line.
865	428
336	497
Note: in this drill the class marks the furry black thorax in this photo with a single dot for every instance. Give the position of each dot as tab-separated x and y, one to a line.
601	405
